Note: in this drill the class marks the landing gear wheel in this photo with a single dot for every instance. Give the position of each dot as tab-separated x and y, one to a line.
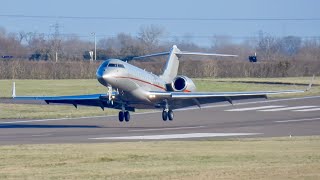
170	115
121	116
127	116
164	115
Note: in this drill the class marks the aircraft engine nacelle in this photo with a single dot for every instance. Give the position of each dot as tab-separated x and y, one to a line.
183	83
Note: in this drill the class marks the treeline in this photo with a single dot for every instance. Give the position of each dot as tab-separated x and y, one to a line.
150	39
19	69
194	69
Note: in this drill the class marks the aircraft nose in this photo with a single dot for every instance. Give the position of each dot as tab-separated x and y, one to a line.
104	76
100	73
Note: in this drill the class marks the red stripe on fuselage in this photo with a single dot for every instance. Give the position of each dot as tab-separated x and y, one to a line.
160	87
146	82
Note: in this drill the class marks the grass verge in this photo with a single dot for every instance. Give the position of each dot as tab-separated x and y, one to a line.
270	158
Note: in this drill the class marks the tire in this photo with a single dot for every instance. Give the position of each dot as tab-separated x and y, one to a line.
121	116
170	115
164	115
127	116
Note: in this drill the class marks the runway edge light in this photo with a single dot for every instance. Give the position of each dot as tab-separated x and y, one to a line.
14	89
310	84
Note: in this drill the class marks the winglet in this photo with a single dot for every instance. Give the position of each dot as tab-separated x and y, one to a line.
310	84
13	89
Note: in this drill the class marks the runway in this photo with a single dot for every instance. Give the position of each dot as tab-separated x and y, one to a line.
268	118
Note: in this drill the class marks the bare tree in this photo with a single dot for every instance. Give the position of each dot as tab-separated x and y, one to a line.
220	41
150	35
290	45
72	48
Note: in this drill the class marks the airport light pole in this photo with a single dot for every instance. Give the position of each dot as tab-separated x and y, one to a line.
95	45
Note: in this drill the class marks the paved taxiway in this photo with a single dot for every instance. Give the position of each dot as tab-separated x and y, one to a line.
270	118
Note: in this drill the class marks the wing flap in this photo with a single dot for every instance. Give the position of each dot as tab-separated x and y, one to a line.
186	99
183	95
190	95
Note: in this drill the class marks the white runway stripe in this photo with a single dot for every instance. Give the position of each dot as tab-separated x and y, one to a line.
175	136
162	129
308	110
287	108
298	120
254	108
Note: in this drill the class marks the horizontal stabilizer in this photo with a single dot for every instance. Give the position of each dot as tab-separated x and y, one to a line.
152	55
205	54
180	53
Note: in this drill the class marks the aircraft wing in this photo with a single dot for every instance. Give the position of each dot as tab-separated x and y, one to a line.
99	100
185	99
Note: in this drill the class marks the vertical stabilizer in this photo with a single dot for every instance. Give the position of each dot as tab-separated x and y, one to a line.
172	65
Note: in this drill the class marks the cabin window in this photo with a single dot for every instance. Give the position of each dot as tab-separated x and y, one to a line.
120	65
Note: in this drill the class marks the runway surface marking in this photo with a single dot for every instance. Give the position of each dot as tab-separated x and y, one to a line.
163	129
308	110
254	108
61	119
298	120
175	136
287	108
41	135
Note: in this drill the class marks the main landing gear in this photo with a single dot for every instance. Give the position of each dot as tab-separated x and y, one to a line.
167	114
124	115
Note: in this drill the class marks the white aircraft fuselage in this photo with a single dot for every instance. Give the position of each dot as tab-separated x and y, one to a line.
136	83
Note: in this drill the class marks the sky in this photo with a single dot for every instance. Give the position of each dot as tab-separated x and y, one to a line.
179	18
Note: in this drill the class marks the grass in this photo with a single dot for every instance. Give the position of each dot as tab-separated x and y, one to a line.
51	87
90	86
271	158
239	84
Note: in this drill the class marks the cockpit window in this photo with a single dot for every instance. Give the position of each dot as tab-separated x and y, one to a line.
116	65
112	65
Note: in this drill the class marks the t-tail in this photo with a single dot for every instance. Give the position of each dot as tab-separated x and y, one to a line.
172	64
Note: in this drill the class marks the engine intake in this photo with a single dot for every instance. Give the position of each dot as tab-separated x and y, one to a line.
183	83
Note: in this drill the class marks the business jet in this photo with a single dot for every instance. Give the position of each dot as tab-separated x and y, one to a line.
129	87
